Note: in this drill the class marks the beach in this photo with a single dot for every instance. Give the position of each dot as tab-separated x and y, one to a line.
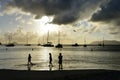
90	74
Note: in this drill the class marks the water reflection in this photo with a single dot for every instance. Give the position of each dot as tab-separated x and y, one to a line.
50	67
44	54
73	58
46	58
29	67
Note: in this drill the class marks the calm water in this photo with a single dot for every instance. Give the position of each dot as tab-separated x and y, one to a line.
73	58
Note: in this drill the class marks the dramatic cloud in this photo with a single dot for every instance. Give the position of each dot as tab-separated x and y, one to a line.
85	17
64	11
109	12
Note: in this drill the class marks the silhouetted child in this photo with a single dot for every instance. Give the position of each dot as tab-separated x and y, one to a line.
60	61
29	59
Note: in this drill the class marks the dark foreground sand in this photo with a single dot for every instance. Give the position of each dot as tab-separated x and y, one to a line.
60	75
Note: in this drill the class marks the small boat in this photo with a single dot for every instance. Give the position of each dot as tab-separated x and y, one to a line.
99	44
27	45
10	45
49	44
59	45
38	44
75	45
85	45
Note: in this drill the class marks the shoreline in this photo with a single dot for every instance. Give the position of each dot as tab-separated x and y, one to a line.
89	74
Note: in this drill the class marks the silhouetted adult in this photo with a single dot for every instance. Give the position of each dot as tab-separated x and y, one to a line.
60	61
50	60
29	59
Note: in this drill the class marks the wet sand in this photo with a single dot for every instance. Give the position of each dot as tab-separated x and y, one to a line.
94	74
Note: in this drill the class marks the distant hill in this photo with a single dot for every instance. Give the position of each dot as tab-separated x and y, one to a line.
107	42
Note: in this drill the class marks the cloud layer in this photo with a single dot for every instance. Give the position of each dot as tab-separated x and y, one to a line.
72	11
109	12
64	11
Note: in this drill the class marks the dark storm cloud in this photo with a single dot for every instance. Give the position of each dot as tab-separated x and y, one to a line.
64	11
109	12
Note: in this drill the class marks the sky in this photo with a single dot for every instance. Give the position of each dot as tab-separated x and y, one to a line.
76	20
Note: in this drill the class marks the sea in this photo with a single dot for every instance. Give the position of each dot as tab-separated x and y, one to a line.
74	58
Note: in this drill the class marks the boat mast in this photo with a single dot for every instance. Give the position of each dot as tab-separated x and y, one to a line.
27	38
43	39
10	38
85	45
59	37
103	41
84	41
48	37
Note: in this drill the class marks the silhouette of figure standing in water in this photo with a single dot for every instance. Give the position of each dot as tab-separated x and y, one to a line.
29	59
60	61
50	61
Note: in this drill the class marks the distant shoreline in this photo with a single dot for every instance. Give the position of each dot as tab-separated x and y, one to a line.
66	44
88	47
90	74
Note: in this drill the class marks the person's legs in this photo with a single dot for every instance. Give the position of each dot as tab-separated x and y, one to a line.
50	63
50	66
28	62
59	66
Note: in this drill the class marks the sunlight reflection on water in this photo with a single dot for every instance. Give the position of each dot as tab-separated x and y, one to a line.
73	58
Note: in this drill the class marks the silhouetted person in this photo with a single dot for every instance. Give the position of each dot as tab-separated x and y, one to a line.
29	59
60	61
50	61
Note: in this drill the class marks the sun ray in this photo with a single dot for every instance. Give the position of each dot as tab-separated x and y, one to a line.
44	25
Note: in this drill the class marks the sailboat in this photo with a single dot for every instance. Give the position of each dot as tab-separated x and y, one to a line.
38	42
48	44
75	45
59	45
10	44
27	42
85	45
101	43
